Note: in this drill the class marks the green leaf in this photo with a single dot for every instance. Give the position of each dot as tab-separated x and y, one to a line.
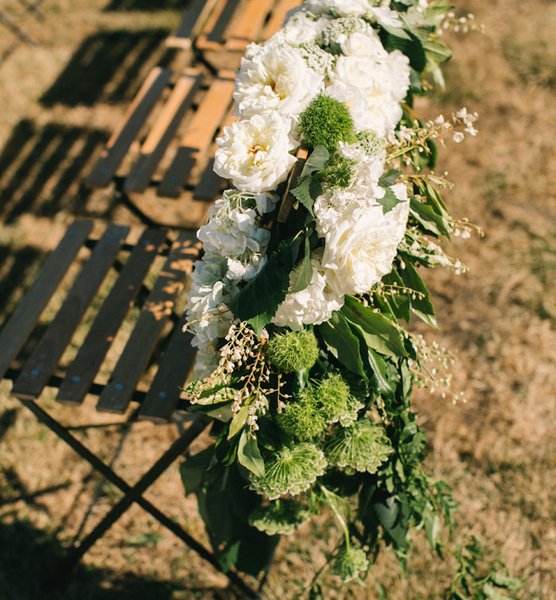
421	303
238	421
316	161
380	333
386	386
411	46
305	273
389	178
258	301
249	455
303	193
193	469
389	201
342	344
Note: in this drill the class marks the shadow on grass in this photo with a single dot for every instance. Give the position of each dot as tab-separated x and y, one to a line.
28	556
42	168
109	67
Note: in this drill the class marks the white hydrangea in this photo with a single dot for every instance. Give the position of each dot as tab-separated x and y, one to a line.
361	241
206	361
233	232
275	78
313	305
255	153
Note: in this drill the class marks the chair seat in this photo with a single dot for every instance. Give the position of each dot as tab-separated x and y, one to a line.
165	263
166	140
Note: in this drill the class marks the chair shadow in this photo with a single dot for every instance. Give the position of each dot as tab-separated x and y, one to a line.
109	67
145	5
42	168
28	554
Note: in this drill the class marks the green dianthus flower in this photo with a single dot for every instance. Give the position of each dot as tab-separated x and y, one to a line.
301	417
293	351
325	122
338	172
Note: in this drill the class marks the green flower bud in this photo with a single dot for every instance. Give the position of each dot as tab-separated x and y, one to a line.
293	351
360	447
350	563
281	517
338	173
325	122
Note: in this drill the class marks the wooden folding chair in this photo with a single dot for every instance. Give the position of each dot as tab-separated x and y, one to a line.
234	24
117	271
165	141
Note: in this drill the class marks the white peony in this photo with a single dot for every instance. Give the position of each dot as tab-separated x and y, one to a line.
362	244
255	153
313	305
275	78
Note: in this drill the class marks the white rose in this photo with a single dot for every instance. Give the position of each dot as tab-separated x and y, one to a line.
342	8
275	78
301	28
313	305
255	153
363	44
360	248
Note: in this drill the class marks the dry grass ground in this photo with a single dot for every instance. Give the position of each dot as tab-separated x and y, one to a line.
498	449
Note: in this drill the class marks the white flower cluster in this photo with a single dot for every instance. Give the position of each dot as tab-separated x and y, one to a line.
360	241
327	47
234	251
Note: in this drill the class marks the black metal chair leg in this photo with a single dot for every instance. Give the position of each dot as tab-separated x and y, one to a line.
133	494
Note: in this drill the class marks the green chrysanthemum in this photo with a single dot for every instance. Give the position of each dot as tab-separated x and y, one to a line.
293	351
282	517
290	470
361	447
301	417
350	564
325	122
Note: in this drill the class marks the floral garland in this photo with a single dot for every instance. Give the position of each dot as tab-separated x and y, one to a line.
311	263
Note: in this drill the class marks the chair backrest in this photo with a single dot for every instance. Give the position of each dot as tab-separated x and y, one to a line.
154	336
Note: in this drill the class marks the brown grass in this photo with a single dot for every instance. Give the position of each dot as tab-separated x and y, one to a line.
497	449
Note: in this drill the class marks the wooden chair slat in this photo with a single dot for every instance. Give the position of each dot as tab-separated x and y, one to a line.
278	16
154	316
175	366
106	166
247	24
194	16
18	329
161	133
220	20
82	371
195	142
210	184
44	359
